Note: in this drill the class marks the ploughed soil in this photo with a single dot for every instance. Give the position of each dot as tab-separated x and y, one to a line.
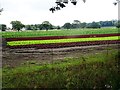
16	57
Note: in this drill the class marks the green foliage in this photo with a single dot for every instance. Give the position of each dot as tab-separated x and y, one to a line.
46	25
58	27
67	26
108	23
93	25
30	42
28	27
76	24
118	24
96	71
17	25
83	25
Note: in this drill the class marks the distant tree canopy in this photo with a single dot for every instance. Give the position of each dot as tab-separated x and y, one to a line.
3	27
46	25
17	25
107	23
118	24
67	26
76	24
93	25
83	25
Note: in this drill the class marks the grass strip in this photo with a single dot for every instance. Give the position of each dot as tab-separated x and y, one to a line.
97	71
67	62
30	42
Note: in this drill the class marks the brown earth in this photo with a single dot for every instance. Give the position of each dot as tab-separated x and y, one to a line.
15	57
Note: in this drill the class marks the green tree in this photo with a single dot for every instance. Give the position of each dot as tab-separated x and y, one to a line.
83	25
93	25
58	27
3	27
17	25
118	24
67	26
76	24
28	27
107	23
46	25
39	26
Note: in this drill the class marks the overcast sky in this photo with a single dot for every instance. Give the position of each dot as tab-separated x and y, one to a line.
37	11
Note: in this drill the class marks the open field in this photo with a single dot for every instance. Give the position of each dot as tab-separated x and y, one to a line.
59	32
23	39
86	65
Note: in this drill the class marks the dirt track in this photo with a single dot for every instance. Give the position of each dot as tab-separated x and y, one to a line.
15	57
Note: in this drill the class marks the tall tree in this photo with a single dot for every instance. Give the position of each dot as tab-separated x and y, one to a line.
76	24
67	26
46	25
17	25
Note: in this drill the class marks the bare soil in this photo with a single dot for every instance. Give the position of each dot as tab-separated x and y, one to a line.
16	57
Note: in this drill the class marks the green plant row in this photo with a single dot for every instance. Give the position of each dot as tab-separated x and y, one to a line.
59	32
29	42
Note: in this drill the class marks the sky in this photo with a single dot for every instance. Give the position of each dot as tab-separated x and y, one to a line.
37	11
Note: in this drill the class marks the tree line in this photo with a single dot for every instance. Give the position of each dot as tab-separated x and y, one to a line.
46	25
78	24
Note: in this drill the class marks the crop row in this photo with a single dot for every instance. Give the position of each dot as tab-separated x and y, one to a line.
70	44
29	42
60	37
59	32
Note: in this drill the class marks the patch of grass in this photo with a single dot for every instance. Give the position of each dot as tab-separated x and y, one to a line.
95	71
59	32
29	42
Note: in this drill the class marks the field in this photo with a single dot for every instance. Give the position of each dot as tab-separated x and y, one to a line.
92	62
59	32
42	39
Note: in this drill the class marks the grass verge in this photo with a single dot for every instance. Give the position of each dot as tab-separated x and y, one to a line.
99	70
